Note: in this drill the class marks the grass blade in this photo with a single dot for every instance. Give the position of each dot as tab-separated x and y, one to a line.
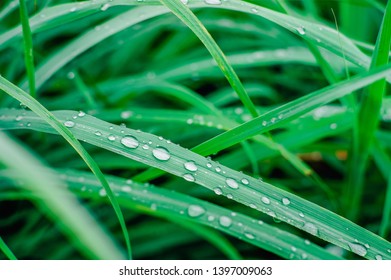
28	47
6	250
368	119
58	203
260	195
35	106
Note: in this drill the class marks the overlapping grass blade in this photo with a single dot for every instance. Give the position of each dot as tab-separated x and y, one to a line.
289	111
6	250
35	106
368	119
155	151
57	202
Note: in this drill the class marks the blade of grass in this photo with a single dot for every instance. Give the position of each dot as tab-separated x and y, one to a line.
244	189
58	203
188	18
6	250
28	47
40	110
289	111
368	120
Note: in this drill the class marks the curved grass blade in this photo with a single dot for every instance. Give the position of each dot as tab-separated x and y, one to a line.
368	119
187	17
57	202
289	111
175	206
157	152
28	47
6	250
40	110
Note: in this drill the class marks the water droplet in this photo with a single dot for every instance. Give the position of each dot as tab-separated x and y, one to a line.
69	124
195	211
245	181
111	137
333	126
301	30
126	189
254	10
19	118
225	221
307	242
211	218
232	183
145	147
230	196
130	142
102	192
265	200
105	7
218	191
264	123
191	166
286	201
253	206
294	249
358	248
301	214
185	1
378	257
81	114
189	177
208	165
73	9
213	2
249	235
310	228
98	133
126	114
218	169
161	153
271	214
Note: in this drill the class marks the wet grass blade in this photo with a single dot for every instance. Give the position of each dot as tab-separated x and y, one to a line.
244	189
57	202
36	107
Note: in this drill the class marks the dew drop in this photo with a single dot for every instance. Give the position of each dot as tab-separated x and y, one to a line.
254	10
333	126
211	218
195	211
69	124
126	114
81	114
19	118
253	206
358	248
161	153
225	221
265	200
111	137
232	183
378	257
218	169
249	235
301	214
307	242
245	181
230	196
185	1
102	192
208	165
189	177
213	2
145	147
218	191
126	189
105	7
191	166
73	9
98	133
130	142
301	30
294	249
286	201
310	228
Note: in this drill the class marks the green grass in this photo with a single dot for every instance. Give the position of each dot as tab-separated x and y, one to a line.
257	99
